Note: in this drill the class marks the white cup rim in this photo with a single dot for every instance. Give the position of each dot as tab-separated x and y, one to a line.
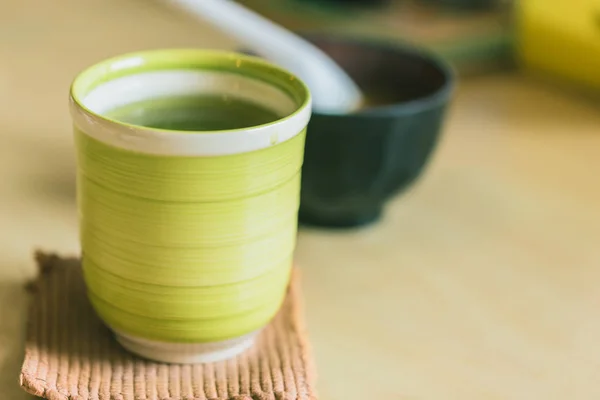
177	64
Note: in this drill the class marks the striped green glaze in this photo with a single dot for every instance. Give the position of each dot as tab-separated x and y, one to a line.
187	249
128	173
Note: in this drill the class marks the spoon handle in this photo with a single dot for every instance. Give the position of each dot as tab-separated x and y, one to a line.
333	90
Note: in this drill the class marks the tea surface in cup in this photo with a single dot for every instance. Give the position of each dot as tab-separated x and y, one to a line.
194	113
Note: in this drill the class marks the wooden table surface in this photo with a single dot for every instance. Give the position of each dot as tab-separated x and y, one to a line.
482	282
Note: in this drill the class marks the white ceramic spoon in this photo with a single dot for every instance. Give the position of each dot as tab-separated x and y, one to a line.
333	91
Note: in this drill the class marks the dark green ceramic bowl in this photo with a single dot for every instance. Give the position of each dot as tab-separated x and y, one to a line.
355	163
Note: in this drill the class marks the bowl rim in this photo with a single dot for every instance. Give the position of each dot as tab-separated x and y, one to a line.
412	106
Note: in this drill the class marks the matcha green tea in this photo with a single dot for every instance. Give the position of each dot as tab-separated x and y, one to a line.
194	113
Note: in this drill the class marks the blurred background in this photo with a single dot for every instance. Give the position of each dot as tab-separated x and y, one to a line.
478	282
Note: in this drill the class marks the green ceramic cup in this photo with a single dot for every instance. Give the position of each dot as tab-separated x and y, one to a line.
187	270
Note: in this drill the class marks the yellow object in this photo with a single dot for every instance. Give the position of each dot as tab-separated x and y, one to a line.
561	38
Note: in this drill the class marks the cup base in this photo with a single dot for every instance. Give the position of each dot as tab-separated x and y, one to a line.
186	353
340	221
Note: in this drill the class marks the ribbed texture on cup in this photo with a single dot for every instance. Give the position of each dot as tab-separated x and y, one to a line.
187	249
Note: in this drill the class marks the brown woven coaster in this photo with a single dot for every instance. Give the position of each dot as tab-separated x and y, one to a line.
71	355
